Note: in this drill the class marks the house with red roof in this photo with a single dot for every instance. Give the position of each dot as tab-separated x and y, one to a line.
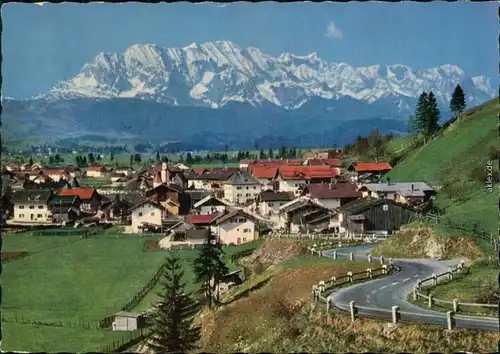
201	220
90	199
368	172
292	177
322	162
264	174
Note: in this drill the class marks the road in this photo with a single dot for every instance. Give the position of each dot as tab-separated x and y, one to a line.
379	295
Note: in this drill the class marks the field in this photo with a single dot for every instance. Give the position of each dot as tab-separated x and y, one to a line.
475	287
66	279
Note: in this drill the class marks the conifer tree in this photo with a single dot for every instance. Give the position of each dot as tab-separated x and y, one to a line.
433	115
173	329
457	102
209	268
420	117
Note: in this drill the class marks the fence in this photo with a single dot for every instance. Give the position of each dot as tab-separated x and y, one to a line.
123	344
468	226
351	278
85	325
454	304
316	236
66	232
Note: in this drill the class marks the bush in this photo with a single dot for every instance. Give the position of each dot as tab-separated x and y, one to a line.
259	268
479	174
493	152
247	272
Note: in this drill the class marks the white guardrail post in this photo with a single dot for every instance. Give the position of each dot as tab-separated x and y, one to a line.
334	281
322	286
334	254
351	256
450	320
455	305
395	314
369	257
384	269
369	273
450	273
431	300
415	289
434	279
352	306
349	275
381	260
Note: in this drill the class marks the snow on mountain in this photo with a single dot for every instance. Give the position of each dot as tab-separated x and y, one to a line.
215	73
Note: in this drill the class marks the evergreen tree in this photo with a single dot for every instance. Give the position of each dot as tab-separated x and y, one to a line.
112	156
270	153
457	102
433	115
131	160
412	125
209	268
189	159
157	156
173	329
262	155
421	113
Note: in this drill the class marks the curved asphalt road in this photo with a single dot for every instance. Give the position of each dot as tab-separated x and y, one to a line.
383	293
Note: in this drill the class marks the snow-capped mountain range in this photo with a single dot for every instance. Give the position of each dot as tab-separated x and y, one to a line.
215	73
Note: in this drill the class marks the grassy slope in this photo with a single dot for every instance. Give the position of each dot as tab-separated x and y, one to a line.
462	146
77	280
278	318
255	318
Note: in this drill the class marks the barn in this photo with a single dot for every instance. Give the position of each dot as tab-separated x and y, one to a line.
128	321
366	215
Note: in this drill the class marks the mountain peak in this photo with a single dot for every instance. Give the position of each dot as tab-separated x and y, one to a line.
215	73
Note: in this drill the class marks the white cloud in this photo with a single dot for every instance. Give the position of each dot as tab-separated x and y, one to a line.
332	31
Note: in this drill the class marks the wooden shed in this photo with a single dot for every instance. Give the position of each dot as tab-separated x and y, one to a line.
128	321
365	215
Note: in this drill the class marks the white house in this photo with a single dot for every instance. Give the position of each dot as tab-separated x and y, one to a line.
147	214
97	171
244	163
235	227
406	193
291	178
211	204
241	188
182	166
269	202
32	206
127	171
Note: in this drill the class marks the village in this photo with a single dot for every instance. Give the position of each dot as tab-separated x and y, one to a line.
314	194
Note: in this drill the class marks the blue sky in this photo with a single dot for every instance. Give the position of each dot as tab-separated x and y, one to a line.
42	45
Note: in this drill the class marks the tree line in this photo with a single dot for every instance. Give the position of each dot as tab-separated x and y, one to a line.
425	120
